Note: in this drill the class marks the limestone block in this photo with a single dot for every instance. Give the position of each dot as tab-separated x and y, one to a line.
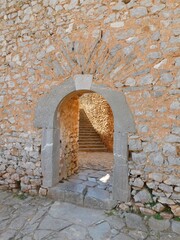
143	196
157	8
139	158
138	12
172	180
165	200
169	150
138	183
166	188
147	79
156	158
166	77
158	207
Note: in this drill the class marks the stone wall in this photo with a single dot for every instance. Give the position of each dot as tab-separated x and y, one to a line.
131	48
20	164
100	115
69	130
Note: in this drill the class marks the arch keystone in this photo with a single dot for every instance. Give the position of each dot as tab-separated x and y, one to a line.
83	81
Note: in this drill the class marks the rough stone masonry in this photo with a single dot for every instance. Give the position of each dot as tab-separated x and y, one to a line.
129	46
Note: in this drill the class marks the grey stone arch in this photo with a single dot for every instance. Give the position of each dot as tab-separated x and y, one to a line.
46	118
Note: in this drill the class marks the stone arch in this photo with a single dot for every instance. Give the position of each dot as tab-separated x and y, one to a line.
46	118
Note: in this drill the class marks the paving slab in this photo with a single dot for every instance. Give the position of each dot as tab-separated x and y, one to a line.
101	231
37	218
50	223
157	225
74	232
122	236
76	214
134	221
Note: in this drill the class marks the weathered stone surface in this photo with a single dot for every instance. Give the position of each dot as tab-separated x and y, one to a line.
116	222
156	176
134	221
137	234
169	150
158	207
176	210
135	145
147	79
157	8
138	183
45	43
138	12
147	211
176	227
156	158
166	188
158	225
50	223
172	180
143	196
165	200
139	158
166	77
98	198
100	231
117	24
122	236
72	233
38	218
166	215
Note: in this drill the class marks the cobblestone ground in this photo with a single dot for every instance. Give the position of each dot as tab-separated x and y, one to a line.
40	218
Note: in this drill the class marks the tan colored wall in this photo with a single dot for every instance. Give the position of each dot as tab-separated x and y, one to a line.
132	48
100	115
69	130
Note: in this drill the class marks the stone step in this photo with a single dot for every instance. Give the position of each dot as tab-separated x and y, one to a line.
84	142
89	139
80	194
93	149
100	145
87	130
88	134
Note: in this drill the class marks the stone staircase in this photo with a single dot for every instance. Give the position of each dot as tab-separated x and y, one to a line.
89	140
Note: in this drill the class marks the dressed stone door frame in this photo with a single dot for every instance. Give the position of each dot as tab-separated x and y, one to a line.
46	118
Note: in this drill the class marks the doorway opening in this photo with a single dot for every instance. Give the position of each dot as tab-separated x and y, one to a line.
47	117
86	144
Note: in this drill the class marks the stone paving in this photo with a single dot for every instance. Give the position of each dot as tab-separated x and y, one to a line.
91	186
35	218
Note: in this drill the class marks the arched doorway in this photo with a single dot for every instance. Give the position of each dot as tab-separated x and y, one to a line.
46	118
86	126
